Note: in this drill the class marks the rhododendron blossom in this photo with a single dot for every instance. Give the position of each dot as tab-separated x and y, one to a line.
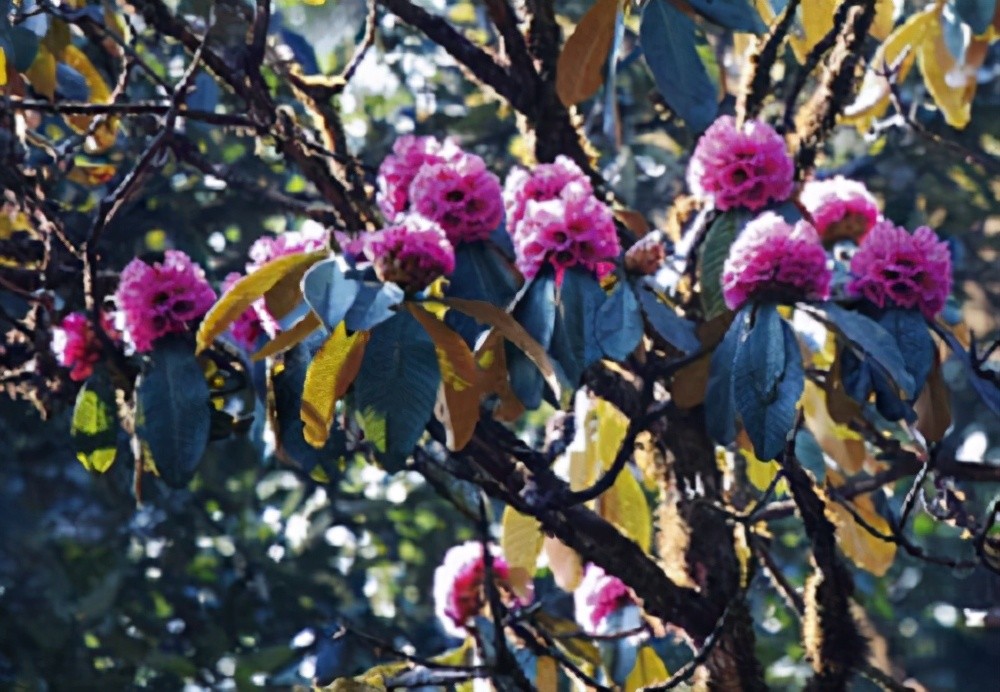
461	195
894	267
647	255
411	254
840	208
398	169
546	181
459	593
575	229
77	346
773	260
747	167
162	298
598	596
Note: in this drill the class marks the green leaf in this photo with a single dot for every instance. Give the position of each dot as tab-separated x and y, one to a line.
872	341
95	427
575	344
675	330
737	15
481	273
396	388
712	257
172	412
978	14
668	40
768	379
536	312
374	304
910	331
619	323
328	292
720	406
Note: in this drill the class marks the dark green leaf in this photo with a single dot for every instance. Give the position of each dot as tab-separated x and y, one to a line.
978	14
95	427
910	331
373	305
172	411
328	292
738	15
481	273
574	339
619	323
396	388
720	407
675	330
668	40
70	84
768	378
536	312
712	257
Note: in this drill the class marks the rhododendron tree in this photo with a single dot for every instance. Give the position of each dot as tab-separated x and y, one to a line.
584	345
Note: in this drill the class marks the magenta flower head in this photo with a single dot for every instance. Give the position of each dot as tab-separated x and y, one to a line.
574	229
76	345
458	586
545	182
413	253
162	298
647	255
893	267
747	167
598	596
840	208
409	155
773	260
461	195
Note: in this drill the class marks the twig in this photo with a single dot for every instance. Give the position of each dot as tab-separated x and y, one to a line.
126	109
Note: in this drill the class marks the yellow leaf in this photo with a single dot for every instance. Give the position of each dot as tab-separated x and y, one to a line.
946	80
565	563
580	70
244	292
512	331
625	506
492	363
759	473
459	377
521	542
42	73
882	24
839	442
868	552
611	429
91	174
546	674
3	67
817	21
577	647
290	337
648	670
104	135
330	373
286	294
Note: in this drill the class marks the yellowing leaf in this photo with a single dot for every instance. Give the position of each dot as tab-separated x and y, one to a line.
817	20
459	378
625	506
546	674
882	24
839	442
42	73
286	294
290	337
330	373
648	670
565	563
91	174
493	379
521	542
862	548
3	67
947	81
244	292
933	406
611	428
104	135
580	70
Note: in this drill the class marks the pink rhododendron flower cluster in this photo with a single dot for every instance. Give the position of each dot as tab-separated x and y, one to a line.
162	298
76	345
894	267
458	585
747	167
647	255
409	155
840	208
546	181
571	229
598	596
440	181
773	260
412	254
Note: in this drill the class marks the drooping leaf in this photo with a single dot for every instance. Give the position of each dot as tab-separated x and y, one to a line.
94	427
868	552
574	339
720	404
625	506
172	409
874	342
491	359
396	388
375	303
619	323
915	343
712	257
946	79
767	381
330	373
482	272
978	14
580	70
738	15
290	337
328	292
668	40
244	292
649	669
675	330
933	406
521	542
459	378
